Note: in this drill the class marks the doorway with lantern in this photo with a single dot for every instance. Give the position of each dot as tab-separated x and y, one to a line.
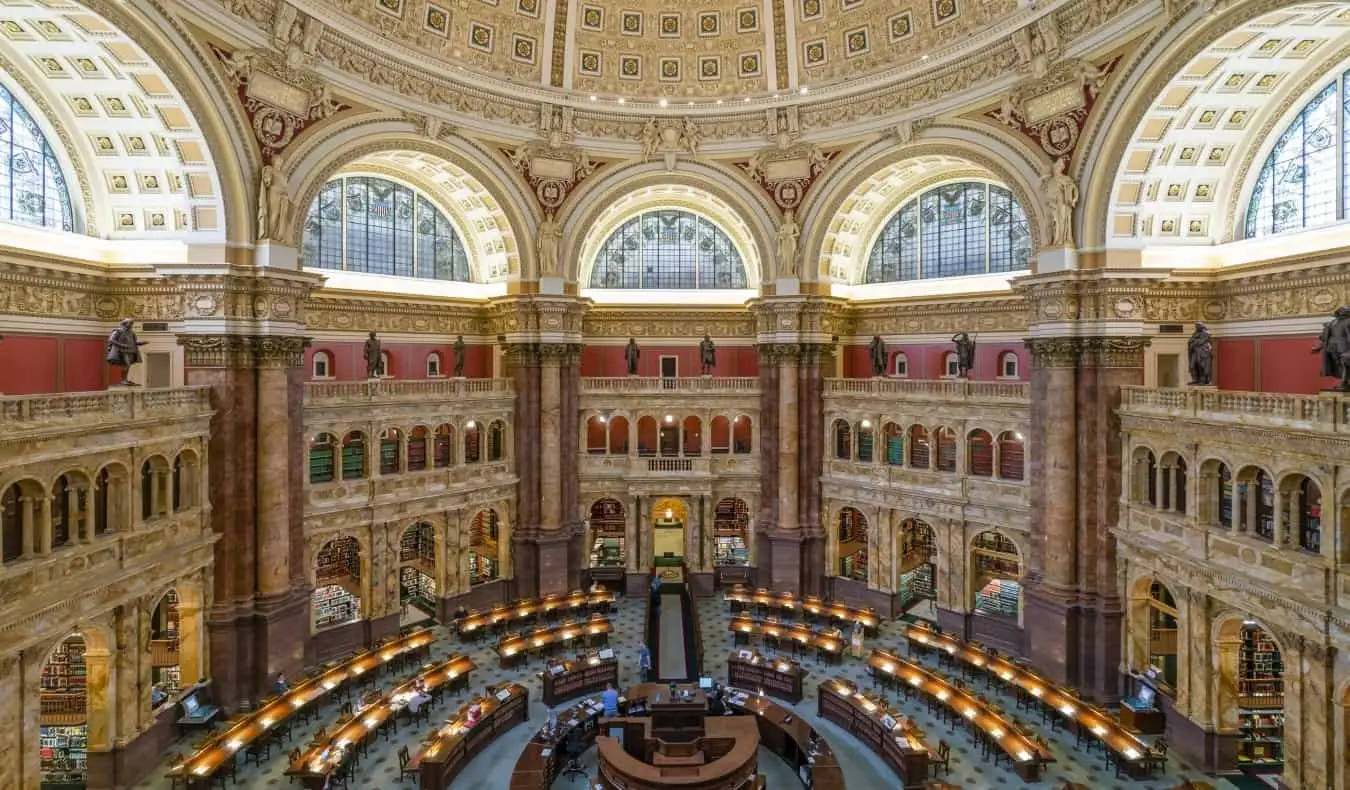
670	518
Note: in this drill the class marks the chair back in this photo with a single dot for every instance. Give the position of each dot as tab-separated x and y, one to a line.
295	756
944	749
403	758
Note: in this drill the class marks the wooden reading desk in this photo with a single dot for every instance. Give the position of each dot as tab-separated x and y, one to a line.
451	747
573	604
790	738
742	598
778	677
564	680
319	763
1025	754
199	769
826	645
892	736
513	648
1090	721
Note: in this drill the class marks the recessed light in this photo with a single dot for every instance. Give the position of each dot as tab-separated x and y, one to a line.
592	98
620	100
663	102
719	101
805	90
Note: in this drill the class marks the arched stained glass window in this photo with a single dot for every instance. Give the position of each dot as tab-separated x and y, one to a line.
668	248
952	230
33	188
377	226
1296	187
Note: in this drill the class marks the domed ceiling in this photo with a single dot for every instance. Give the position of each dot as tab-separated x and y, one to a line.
691	50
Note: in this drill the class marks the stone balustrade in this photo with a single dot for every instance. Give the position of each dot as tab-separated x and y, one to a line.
29	414
1327	412
930	389
336	393
642	385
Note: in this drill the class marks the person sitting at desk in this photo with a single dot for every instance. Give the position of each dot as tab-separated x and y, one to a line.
596	587
461	612
715	705
418	698
157	695
609	698
279	686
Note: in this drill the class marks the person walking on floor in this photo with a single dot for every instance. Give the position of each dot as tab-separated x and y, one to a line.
644	663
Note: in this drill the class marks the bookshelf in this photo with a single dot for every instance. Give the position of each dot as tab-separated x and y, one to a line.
918	448
338	562
443	447
484	563
731	522
63	735
416	588
1260	688
999	597
570	679
353	458
852	545
63	754
608	528
482	568
1225	483
917	585
334	605
418	543
389	446
338	582
866	444
895	448
321	461
473	444
946	450
1011	459
777	677
995	556
981	454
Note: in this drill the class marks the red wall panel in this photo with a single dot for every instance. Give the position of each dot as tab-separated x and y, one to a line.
1270	364
406	360
926	360
40	364
606	361
84	365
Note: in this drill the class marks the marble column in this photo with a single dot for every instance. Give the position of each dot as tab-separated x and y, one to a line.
14	739
788	517
768	464
271	446
550	416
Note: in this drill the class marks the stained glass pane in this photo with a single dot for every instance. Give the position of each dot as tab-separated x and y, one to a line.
668	248
33	190
377	226
951	231
1296	187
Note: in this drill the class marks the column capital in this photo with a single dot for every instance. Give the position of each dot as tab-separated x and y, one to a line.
1101	352
1118	352
1055	352
243	351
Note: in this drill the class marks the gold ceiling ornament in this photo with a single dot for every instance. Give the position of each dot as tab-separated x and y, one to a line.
1038	45
553	166
906	131
1053	109
279	99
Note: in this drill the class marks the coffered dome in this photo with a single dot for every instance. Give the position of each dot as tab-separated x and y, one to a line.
698	50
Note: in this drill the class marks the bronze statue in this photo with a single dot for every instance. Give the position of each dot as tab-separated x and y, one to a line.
124	350
965	354
459	357
1334	344
374	363
631	354
878	355
1200	356
707	355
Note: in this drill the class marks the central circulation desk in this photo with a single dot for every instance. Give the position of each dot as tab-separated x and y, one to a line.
564	680
1090	721
777	677
790	738
451	747
678	747
890	735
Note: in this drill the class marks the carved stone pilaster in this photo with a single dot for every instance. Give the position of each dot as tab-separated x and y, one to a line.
558	353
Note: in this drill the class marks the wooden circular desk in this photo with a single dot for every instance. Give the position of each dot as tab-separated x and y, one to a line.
731	744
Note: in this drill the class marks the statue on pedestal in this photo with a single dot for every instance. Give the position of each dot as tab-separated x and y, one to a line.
707	355
1062	195
274	203
788	234
1200	356
549	235
1334	344
374	364
877	351
965	354
124	350
630	355
459	357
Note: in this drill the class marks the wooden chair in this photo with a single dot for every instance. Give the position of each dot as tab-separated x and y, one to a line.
294	761
403	760
943	759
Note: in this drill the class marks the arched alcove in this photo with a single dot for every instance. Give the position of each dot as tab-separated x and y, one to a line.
419	438
851	536
843	440
894	437
919	455
731	533
322	456
354	456
63	738
609	534
917	577
946	448
866	441
165	632
473	442
443	446
996	575
391	451
417	572
1011	456
979	453
338	587
597	434
618	436
1249	675
742	433
485	549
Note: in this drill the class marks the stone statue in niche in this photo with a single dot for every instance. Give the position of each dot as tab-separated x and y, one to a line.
631	353
1062	194
877	351
274	202
965	354
371	353
459	357
1334	344
1200	356
788	234
124	350
651	139
549	235
707	355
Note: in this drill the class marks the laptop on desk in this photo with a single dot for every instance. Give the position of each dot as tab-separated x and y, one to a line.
194	712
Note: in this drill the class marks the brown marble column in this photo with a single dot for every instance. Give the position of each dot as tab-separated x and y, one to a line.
768	463
811	430
522	363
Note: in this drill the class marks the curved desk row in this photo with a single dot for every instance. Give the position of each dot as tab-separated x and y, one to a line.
741	599
1090	720
781	677
789	737
201	767
564	680
323	760
890	735
451	747
573	604
593	631
826	645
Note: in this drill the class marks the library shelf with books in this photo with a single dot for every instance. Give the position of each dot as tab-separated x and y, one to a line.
484	555
852	544
63	715
353	457
917	585
418	546
391	461
335	605
321	460
731	538
776	677
999	597
416	588
565	680
1260	691
608	531
997	567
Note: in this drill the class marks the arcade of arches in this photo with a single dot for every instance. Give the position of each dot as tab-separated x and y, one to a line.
900	316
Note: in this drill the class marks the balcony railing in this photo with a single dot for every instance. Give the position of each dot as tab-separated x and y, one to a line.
931	389
1325	412
335	392
638	385
19	414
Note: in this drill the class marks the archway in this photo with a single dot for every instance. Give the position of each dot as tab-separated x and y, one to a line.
337	583
1153	629
1301	502
852	540
322	451
918	563
609	534
417	592
731	533
1250	698
165	664
64	713
485	551
996	576
670	517
1255	502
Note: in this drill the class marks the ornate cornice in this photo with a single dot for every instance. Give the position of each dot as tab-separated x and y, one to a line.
663	323
962	314
364	313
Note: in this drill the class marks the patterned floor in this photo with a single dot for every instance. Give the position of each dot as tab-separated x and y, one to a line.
862	769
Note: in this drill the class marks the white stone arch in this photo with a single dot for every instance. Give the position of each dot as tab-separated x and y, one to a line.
974	530
850	206
604	201
1133	195
481	197
85	81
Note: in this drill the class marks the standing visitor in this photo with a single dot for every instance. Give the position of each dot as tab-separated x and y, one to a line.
644	662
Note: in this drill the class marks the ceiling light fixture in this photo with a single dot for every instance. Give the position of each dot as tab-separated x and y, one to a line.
663	102
805	90
621	100
592	98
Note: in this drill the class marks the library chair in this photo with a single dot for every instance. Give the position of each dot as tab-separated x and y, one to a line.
572	750
293	761
259	750
404	760
942	759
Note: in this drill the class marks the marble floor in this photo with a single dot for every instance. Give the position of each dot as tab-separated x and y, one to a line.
862	769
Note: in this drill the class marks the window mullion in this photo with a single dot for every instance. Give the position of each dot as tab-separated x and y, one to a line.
342	223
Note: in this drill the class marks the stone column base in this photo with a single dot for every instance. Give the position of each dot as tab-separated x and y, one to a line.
277	620
785	568
482	596
1204	748
126	765
1051	622
555	553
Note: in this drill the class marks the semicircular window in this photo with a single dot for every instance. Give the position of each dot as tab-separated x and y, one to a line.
377	226
33	189
970	227
669	248
1296	187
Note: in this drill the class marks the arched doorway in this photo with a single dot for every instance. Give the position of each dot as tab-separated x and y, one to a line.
918	555
996	576
165	667
670	516
1162	634
852	537
417	573
485	558
609	530
731	533
1250	678
337	583
63	725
